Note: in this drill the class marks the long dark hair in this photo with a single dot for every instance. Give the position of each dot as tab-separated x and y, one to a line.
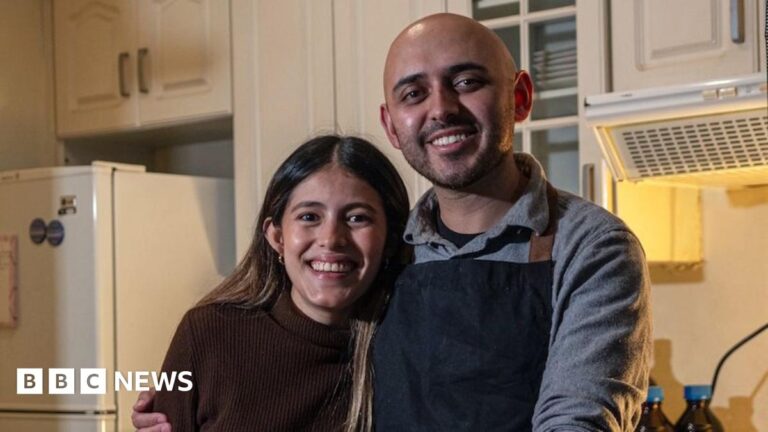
259	278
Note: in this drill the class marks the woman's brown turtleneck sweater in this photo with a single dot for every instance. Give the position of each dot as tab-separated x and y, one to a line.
257	371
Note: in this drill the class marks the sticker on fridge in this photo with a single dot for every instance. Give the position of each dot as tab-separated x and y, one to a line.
8	280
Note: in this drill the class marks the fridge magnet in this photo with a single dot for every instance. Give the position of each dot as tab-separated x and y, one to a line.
37	231
8	280
55	233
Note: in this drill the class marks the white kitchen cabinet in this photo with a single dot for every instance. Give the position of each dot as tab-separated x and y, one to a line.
94	44
123	64
662	42
184	59
306	67
282	59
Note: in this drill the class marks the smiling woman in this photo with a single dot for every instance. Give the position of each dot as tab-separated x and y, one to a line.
332	242
284	342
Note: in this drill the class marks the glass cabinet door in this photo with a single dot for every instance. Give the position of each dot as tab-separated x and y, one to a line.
540	5
557	149
511	37
553	67
541	36
490	9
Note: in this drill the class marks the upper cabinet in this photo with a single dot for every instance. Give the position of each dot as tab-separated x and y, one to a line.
183	56
661	42
122	64
94	42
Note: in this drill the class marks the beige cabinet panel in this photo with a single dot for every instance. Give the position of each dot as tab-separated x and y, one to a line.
123	64
93	50
282	54
183	59
662	42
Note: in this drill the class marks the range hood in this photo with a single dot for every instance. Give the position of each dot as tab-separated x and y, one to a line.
706	134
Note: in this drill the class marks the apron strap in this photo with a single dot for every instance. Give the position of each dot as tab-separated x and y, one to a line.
541	245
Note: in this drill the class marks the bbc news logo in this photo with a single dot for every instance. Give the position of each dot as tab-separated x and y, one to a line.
93	381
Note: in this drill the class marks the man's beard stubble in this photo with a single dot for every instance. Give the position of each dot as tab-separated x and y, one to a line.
488	158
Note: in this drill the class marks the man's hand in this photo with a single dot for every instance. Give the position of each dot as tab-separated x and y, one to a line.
144	419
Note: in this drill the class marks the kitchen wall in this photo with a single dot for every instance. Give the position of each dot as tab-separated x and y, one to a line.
700	313
210	159
26	85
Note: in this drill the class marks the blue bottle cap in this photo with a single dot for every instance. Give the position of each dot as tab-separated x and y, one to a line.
698	392
655	394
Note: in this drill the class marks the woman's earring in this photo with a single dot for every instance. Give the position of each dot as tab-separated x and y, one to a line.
280	259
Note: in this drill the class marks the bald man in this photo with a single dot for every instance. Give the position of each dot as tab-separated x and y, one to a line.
526	308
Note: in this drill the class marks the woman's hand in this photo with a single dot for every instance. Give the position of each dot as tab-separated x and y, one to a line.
143	419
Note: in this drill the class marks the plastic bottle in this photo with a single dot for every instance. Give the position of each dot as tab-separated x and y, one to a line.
697	416
653	418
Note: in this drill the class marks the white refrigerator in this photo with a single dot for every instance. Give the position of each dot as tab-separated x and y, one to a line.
97	266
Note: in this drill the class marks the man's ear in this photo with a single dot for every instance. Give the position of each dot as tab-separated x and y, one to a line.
389	128
523	90
274	235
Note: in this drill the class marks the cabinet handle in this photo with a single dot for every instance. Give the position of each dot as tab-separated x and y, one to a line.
737	21
588	182
122	59
143	84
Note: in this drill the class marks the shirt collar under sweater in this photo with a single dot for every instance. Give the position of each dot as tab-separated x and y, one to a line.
288	316
531	211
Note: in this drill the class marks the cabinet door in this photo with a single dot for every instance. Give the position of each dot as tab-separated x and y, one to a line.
93	56
363	32
661	42
183	59
283	76
593	78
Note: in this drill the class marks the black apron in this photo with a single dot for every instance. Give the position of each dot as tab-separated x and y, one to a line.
463	344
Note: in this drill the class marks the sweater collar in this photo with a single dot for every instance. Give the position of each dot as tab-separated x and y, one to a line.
292	319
